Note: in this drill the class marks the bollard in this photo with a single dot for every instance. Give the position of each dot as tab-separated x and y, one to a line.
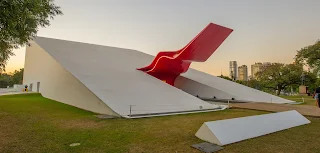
302	99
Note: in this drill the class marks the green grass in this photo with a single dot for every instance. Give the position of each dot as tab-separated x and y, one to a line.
31	123
308	100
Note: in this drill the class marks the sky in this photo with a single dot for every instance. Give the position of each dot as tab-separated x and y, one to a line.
264	31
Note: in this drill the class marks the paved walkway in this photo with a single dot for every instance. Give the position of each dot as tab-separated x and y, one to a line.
306	110
14	93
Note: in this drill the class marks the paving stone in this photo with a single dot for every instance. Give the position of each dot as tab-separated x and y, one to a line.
207	147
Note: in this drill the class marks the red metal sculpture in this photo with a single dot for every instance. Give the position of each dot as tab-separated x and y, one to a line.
167	66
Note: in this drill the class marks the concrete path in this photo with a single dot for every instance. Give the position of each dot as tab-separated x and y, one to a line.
14	93
306	110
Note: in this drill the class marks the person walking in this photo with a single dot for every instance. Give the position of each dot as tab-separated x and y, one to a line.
26	88
317	96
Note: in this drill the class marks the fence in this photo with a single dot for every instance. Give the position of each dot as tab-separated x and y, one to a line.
148	110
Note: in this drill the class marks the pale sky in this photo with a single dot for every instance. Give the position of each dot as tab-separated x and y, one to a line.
264	31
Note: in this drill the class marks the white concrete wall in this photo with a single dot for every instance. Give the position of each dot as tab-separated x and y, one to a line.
18	87
58	84
195	88
110	73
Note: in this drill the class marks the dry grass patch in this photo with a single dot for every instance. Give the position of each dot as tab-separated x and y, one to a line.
7	132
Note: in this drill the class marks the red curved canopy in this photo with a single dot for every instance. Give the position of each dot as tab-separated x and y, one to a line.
167	66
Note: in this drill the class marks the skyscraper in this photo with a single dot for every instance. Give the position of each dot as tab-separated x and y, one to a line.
243	72
256	67
233	73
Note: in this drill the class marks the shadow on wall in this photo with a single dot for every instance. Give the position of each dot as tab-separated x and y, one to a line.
200	90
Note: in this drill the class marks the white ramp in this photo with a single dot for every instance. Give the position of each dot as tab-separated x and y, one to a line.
224	89
229	131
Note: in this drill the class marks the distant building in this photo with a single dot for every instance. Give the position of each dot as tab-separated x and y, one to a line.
255	68
243	73
233	70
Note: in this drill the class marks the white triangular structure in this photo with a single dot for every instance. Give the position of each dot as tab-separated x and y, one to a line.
229	131
207	86
104	80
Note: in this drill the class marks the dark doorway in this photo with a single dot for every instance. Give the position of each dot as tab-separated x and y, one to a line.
30	88
38	86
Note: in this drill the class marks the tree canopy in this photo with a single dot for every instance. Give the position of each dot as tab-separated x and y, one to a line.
310	55
19	23
278	76
17	76
311	81
10	79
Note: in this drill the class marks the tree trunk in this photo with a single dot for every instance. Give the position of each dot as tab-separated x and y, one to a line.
278	90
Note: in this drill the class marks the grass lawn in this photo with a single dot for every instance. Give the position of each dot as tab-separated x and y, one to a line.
308	100
31	123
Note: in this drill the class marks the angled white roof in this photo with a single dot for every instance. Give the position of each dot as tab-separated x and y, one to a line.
110	73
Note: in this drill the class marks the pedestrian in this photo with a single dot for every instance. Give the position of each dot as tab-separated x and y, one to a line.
317	96
26	88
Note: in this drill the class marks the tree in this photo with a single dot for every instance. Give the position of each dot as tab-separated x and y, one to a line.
310	55
225	77
253	83
19	23
311	81
5	80
278	76
11	79
17	76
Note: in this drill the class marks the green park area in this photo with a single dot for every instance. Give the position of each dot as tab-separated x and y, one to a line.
307	100
31	123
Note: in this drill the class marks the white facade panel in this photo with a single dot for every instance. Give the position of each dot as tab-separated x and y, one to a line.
58	84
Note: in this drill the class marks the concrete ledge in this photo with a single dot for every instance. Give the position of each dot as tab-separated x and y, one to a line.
229	131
